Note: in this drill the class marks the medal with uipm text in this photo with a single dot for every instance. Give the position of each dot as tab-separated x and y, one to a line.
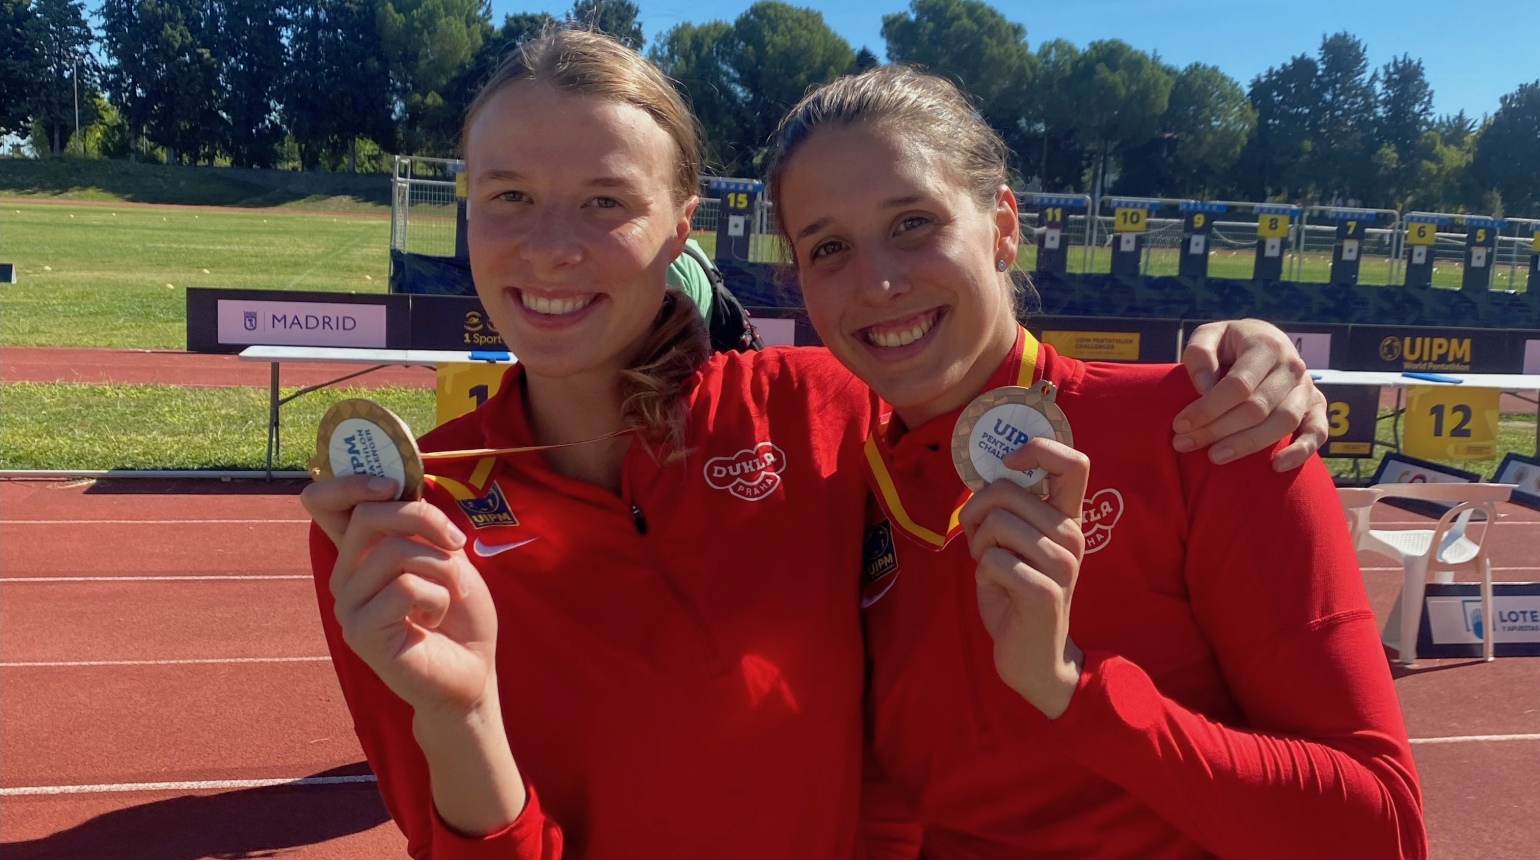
361	437
998	422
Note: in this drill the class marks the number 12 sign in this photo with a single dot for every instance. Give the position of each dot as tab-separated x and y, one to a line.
1451	422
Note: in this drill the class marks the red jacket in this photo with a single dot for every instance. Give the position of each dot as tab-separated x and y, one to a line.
680	666
1235	699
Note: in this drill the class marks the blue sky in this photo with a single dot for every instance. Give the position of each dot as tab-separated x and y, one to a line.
1473	53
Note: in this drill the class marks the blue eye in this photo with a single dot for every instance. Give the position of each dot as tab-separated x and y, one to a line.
605	202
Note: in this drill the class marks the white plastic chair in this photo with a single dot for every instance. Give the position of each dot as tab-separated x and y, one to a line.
1441	550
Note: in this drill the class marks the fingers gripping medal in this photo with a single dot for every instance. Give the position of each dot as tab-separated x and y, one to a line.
361	437
998	422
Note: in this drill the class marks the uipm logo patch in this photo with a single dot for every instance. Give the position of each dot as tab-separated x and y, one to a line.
751	474
489	510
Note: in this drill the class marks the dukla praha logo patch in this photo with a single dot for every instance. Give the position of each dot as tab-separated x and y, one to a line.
1098	515
489	510
751	474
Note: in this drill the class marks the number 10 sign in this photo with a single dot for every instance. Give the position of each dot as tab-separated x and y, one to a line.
1451	422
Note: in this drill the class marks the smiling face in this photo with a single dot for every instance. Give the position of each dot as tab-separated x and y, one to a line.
897	262
572	224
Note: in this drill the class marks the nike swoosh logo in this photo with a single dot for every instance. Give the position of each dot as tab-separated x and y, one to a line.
865	601
487	550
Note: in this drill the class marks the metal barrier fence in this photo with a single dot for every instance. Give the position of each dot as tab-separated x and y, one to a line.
423	207
424	214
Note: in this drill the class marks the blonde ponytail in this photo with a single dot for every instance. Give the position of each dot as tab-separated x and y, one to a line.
653	390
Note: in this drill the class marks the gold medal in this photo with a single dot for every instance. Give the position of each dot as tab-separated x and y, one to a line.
361	437
998	422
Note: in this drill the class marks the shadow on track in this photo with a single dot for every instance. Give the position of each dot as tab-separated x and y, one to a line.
255	822
193	487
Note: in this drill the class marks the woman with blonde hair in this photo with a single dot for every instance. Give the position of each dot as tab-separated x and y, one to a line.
1219	688
624	622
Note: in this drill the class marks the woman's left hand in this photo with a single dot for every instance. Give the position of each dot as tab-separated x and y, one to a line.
1265	394
1028	551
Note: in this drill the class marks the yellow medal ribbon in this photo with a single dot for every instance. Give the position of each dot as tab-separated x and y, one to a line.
887	489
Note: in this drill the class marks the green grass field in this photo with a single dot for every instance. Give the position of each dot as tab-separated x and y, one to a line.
58	425
97	275
102	180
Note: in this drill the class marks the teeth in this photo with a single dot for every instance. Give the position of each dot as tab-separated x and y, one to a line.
555	307
900	338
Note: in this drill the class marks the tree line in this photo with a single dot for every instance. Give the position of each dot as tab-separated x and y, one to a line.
241	81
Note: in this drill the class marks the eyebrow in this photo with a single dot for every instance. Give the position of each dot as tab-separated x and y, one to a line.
499	175
891	203
812	228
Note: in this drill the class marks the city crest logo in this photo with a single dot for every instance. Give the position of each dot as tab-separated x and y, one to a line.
751	474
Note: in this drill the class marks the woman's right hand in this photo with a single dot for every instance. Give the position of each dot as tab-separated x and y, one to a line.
1028	551
409	602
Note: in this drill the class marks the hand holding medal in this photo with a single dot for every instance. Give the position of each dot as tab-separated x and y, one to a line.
361	437
409	602
1025	583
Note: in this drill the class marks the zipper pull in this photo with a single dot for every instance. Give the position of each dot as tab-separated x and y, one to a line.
638	519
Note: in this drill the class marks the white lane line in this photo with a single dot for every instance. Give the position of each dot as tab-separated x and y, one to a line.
1376	567
207	661
5	580
1429	523
1471	739
200	785
140	522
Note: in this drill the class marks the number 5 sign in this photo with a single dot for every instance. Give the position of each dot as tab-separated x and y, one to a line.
1451	422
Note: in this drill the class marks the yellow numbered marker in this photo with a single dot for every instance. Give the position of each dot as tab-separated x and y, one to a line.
1451	422
1419	233
462	386
1130	221
1272	226
1534	244
462	184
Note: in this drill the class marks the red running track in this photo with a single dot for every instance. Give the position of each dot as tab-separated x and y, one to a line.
176	631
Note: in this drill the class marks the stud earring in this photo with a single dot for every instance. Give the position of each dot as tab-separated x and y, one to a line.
1001	265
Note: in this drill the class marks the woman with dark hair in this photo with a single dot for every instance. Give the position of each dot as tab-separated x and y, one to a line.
1219	689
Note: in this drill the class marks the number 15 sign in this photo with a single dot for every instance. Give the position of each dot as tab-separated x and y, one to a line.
1451	422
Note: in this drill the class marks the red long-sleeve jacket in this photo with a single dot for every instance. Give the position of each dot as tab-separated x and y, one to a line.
680	666
1235	699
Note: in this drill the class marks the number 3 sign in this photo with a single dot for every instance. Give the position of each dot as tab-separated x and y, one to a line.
1451	422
